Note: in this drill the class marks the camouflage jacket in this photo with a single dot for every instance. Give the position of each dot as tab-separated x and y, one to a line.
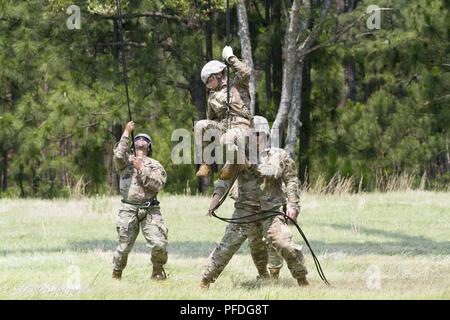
137	185
239	97
255	192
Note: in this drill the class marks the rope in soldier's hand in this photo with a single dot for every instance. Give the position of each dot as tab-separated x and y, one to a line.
124	66
236	220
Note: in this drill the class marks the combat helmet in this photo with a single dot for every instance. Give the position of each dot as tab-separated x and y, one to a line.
149	140
212	67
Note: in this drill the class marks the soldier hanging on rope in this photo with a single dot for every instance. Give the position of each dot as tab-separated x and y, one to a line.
259	195
233	121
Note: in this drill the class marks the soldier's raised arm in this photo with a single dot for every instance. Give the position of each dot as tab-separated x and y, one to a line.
292	183
152	176
242	70
121	148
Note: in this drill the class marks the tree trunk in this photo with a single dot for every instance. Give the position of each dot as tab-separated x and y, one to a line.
276	57
62	173
348	65
268	62
246	47
197	91
33	182
349	91
305	118
295	111
117	130
208	40
108	159
4	169
290	50
22	190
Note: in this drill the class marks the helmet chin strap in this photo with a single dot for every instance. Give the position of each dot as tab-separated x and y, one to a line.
146	148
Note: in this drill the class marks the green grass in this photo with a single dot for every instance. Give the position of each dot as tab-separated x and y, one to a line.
402	237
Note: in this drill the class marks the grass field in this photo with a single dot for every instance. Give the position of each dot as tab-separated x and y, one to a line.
371	246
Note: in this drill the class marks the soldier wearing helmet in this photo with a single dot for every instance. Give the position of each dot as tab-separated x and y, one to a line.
233	121
141	177
259	193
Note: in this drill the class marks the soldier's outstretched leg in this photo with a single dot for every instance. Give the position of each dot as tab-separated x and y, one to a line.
234	237
127	230
277	232
258	251
156	233
234	142
200	128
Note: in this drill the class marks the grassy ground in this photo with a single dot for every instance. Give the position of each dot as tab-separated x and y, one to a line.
371	246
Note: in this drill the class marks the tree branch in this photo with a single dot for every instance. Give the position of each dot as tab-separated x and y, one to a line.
302	51
315	32
264	22
150	14
437	99
178	84
153	14
128	43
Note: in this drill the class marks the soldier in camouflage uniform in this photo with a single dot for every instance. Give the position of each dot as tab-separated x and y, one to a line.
141	178
275	260
233	123
263	260
259	191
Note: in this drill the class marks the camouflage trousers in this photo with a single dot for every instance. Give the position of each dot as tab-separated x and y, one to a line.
232	140
272	231
275	260
150	221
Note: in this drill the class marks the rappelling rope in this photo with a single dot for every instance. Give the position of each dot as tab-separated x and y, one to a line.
124	66
228	26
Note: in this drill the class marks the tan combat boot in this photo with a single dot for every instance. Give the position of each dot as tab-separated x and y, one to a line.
117	274
204	284
158	273
274	273
204	170
302	282
229	170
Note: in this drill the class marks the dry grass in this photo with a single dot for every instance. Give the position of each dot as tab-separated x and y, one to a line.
339	185
371	246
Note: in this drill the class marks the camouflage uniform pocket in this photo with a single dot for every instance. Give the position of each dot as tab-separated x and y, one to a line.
299	252
160	224
155	219
124	219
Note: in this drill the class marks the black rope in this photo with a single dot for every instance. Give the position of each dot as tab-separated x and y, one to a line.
124	66
274	214
228	23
